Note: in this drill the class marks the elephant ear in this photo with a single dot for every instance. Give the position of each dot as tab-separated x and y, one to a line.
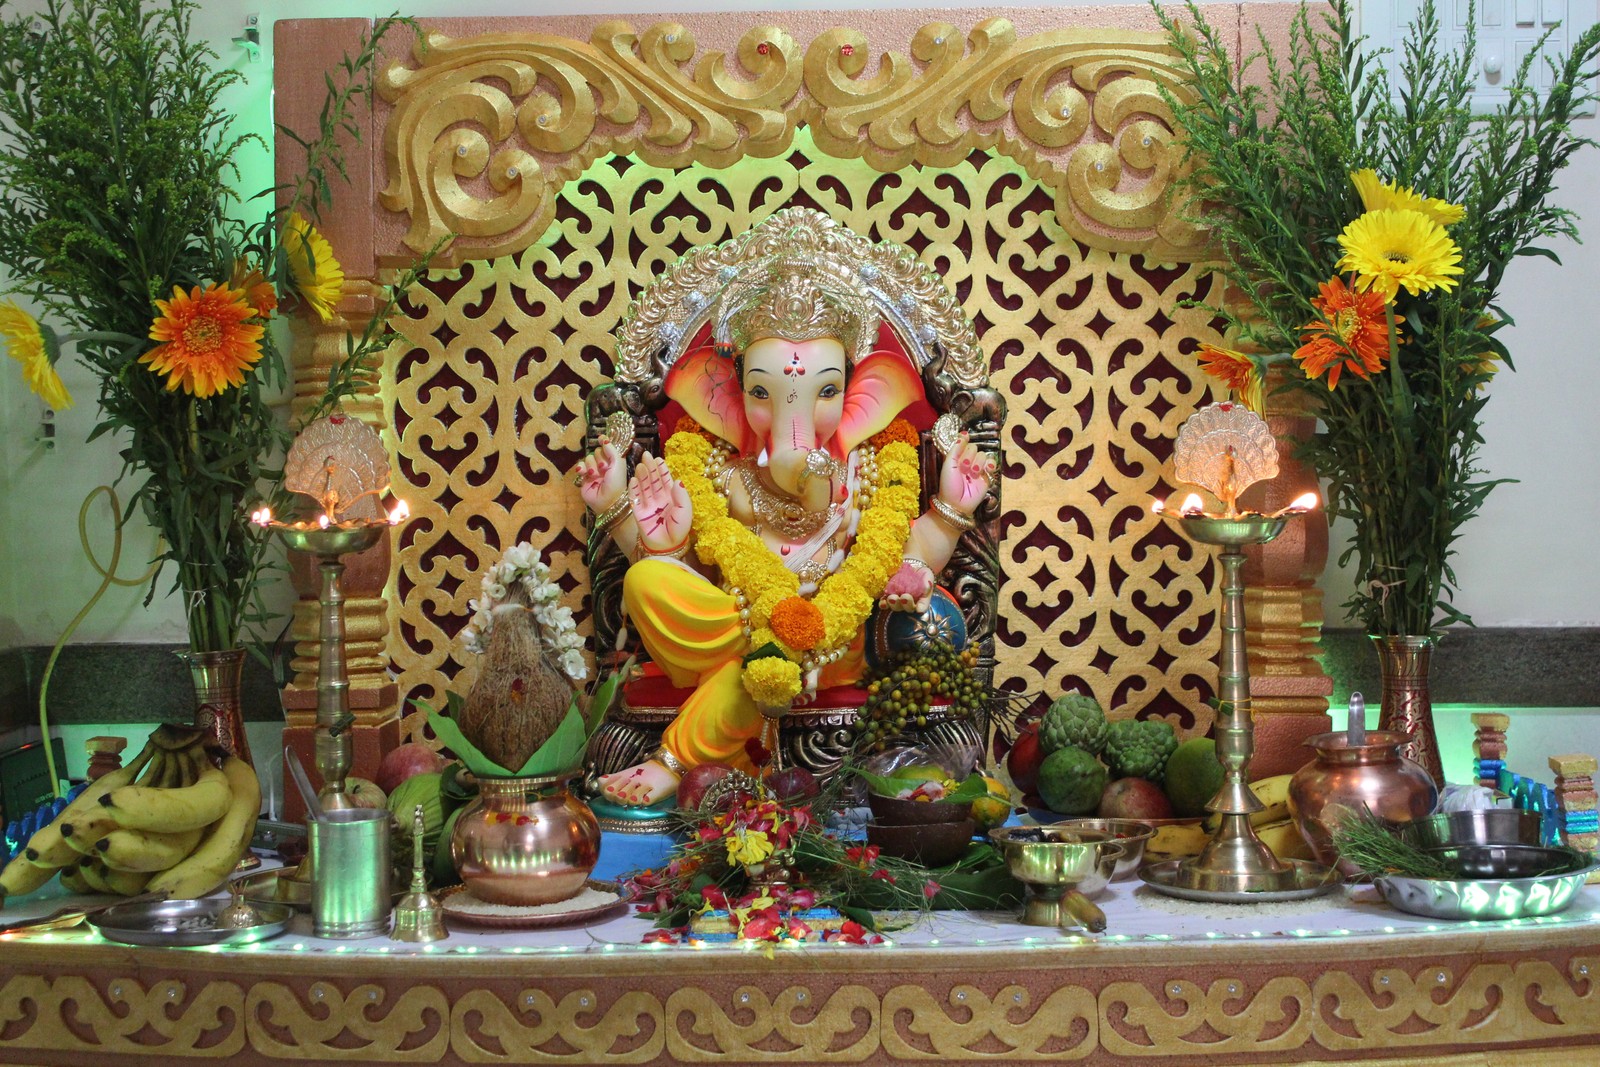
881	387
707	387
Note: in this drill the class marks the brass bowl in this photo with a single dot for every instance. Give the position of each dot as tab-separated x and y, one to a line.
931	844
1055	864
1132	834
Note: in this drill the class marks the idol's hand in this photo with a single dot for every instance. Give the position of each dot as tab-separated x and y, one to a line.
661	507
966	476
602	477
910	589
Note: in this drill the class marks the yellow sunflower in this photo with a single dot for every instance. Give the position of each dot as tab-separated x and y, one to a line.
208	339
1392	249
25	341
1378	195
1235	370
316	274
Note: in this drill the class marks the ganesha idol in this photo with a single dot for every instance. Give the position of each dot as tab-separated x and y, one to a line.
785	507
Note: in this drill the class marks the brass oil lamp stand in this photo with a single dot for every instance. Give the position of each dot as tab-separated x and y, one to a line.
339	462
1225	448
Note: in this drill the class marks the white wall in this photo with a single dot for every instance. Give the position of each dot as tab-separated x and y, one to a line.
1526	561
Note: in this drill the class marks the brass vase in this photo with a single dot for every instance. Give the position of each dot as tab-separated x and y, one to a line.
1403	663
526	841
218	708
1372	775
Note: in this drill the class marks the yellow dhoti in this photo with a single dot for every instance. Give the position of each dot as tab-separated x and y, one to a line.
691	630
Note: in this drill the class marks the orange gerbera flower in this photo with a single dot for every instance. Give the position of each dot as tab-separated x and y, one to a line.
797	622
1353	333
258	292
208	340
1235	370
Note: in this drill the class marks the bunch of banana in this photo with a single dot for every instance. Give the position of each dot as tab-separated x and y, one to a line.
1177	839
170	822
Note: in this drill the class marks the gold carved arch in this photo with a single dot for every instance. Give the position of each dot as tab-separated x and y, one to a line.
485	131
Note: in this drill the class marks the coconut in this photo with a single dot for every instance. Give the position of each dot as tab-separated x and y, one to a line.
520	697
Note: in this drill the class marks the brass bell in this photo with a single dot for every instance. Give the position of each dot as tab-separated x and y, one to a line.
418	916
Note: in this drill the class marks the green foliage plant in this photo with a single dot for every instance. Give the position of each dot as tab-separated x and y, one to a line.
1271	141
116	159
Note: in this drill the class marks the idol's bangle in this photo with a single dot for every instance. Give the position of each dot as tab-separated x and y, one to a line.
949	514
921	566
608	518
663	755
677	551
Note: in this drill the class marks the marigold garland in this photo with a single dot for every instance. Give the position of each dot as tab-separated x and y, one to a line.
798	623
843	600
897	432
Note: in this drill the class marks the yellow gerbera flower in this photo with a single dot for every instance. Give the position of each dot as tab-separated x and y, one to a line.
1378	195
1392	249
748	846
316	274
25	341
209	341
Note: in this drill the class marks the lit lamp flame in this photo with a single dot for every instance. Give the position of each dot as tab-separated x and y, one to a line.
399	513
322	521
1158	506
1303	502
1192	505
261	517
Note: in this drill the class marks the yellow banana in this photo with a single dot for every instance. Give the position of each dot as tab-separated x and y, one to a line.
21	877
1186	839
72	879
225	842
1274	795
93	873
189	766
1284	839
125	883
145	850
47	848
86	828
194	807
157	767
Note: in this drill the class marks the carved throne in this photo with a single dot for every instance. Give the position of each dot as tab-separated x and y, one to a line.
921	321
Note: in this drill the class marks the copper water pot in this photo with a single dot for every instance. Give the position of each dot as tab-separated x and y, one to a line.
1372	776
526	841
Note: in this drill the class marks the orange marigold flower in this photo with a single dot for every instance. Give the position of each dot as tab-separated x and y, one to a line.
687	424
258	292
1235	370
1353	333
209	341
797	623
899	431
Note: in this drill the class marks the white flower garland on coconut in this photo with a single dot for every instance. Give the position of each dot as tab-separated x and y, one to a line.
521	570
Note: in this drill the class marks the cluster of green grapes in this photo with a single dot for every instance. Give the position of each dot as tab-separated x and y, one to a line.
899	692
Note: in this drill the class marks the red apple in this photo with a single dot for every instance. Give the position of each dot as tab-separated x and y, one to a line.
1134	798
696	780
794	785
1025	757
401	763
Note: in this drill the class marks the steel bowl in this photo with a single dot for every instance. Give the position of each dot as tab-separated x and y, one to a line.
185	923
1491	826
1131	834
1503	862
1483	898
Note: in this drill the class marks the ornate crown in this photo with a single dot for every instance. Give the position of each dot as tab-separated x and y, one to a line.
795	301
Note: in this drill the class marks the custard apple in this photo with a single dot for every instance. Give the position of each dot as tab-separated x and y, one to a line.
1139	748
1075	720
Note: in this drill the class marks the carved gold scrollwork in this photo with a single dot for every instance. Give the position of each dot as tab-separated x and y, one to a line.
1226	1016
327	1024
72	1013
917	1024
536	1026
748	1025
485	130
455	166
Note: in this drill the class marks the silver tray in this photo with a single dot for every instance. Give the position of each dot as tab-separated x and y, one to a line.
1311	879
185	923
1483	898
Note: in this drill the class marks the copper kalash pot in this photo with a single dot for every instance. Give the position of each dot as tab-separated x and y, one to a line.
1369	773
526	841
